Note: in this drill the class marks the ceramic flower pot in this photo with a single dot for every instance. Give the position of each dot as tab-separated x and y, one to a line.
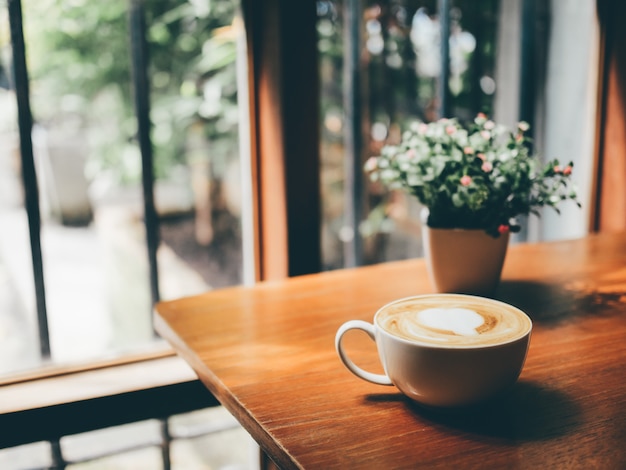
464	261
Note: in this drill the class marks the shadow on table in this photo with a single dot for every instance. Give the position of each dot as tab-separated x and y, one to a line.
555	303
529	412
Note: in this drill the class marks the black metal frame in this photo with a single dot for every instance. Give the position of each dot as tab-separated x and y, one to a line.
52	423
353	137
31	189
141	89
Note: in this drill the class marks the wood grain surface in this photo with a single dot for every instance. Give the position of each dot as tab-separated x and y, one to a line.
267	353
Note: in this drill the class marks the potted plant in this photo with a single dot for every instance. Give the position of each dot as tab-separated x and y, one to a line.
473	181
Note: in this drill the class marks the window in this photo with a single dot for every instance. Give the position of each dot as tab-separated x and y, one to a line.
513	60
97	259
85	90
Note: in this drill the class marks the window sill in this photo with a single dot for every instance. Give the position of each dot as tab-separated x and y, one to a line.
51	407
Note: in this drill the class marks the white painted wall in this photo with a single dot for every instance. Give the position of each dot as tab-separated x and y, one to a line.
507	71
570	108
565	105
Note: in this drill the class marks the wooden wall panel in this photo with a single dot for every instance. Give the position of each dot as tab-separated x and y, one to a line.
284	102
610	206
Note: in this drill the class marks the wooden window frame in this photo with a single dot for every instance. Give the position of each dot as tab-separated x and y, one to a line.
48	408
609	196
284	121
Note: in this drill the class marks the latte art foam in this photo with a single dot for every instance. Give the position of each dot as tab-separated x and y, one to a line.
454	320
460	321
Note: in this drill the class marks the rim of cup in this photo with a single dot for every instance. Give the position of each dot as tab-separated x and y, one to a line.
524	333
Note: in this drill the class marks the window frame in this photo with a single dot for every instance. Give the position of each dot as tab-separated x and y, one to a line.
608	194
284	137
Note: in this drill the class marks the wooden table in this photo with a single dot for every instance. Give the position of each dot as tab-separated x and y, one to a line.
267	353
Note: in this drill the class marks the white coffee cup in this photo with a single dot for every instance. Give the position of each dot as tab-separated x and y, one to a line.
445	350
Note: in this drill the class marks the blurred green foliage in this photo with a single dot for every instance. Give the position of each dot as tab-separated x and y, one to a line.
79	60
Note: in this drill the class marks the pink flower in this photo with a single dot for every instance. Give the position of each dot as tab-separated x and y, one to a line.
450	130
481	156
567	170
466	180
481	116
485	135
410	153
487	167
519	137
468	150
371	164
489	125
422	128
504	229
557	169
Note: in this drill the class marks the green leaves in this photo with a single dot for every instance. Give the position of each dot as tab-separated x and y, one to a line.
79	54
480	176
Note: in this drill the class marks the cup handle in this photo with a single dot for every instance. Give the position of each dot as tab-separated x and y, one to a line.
380	379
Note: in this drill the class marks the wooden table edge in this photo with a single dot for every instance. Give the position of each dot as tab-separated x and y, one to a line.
277	453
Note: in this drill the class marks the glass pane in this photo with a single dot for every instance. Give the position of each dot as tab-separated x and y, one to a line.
400	65
232	450
113	440
148	458
195	114
35	455
18	333
211	438
89	172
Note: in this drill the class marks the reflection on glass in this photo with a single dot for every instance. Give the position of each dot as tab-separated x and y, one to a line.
400	66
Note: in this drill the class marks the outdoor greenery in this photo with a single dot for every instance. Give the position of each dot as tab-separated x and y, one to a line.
79	60
479	176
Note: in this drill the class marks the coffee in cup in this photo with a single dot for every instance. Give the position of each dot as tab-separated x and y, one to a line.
453	320
445	349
